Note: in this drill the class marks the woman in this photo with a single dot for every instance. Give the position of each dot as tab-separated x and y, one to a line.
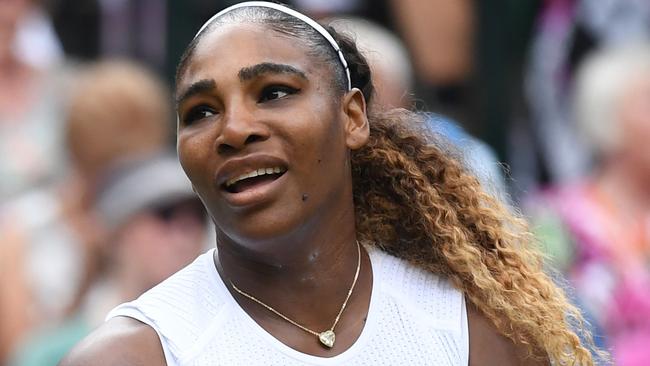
32	95
596	230
54	229
274	134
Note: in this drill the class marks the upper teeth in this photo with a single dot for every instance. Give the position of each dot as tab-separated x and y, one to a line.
254	173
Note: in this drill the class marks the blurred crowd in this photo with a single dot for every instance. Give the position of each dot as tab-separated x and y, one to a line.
547	102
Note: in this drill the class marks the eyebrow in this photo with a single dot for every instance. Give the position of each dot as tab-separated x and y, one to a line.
251	72
245	74
201	86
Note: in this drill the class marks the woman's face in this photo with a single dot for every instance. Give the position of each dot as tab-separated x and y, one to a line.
634	121
251	102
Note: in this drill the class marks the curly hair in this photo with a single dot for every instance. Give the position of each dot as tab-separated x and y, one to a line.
414	199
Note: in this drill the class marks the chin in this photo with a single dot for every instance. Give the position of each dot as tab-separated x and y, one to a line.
262	231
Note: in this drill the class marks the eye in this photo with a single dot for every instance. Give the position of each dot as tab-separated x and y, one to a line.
274	92
198	113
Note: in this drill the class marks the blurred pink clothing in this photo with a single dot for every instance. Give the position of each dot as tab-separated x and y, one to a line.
606	257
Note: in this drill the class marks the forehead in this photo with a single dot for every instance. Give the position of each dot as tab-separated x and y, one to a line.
230	47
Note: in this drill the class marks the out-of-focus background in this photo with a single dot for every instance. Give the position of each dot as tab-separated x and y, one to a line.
549	101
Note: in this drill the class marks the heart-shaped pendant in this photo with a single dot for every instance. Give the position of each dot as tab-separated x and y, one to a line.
327	338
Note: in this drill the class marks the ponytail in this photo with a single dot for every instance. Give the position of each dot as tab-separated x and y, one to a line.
415	200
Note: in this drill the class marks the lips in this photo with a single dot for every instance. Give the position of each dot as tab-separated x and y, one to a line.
247	180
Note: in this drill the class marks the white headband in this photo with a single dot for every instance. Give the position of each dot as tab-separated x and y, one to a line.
295	14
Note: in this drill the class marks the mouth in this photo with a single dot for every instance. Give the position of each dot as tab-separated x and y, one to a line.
253	179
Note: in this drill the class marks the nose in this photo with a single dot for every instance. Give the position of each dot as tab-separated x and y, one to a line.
241	128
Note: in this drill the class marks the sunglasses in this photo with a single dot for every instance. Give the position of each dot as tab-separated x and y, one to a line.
169	212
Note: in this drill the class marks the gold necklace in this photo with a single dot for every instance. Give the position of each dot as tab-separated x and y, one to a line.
326	337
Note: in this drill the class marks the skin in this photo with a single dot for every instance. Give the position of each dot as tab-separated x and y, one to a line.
295	235
176	240
19	81
624	176
634	123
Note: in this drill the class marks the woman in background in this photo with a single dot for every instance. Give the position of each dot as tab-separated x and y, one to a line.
50	236
597	231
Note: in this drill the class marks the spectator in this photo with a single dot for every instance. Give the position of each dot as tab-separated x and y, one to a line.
32	91
153	231
52	233
597	230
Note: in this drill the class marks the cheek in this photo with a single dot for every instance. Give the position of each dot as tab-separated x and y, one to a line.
323	158
322	139
186	158
636	122
192	152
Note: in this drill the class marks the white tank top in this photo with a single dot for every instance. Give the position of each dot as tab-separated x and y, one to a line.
415	318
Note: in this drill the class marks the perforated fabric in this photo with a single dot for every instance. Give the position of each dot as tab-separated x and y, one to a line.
415	318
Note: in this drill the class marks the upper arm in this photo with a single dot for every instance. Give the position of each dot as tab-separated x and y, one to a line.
488	347
120	341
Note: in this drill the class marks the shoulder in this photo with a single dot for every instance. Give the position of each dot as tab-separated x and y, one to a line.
487	347
181	309
119	341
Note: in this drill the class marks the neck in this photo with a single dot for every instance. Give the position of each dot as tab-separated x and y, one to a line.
313	273
129	282
627	184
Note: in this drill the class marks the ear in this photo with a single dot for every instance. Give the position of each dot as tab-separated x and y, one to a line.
355	121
